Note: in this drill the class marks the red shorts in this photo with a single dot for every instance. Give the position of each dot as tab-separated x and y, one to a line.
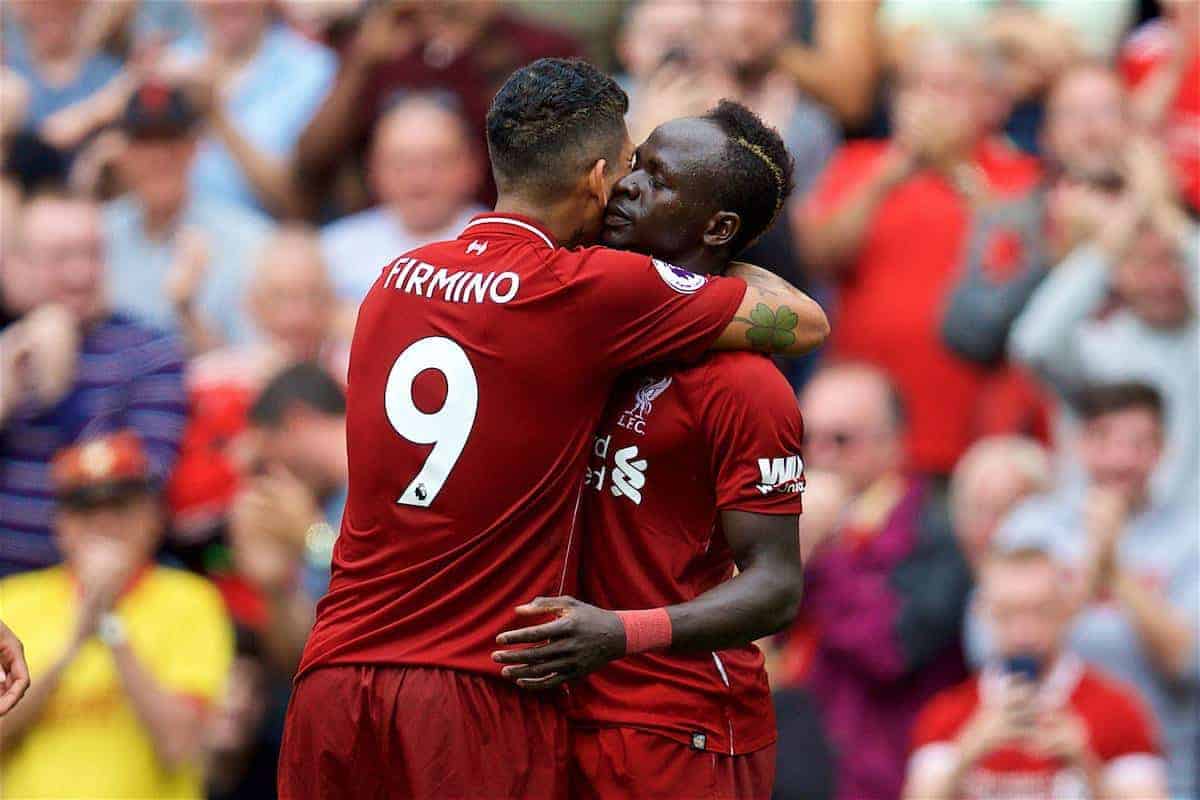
371	733
610	763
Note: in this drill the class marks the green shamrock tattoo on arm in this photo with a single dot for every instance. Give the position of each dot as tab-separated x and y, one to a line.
771	331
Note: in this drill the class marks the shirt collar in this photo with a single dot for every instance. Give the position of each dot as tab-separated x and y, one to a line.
512	224
134	581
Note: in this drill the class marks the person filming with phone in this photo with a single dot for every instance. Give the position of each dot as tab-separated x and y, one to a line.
1036	721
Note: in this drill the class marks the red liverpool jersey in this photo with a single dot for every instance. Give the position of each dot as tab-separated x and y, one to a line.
478	371
1120	734
675	448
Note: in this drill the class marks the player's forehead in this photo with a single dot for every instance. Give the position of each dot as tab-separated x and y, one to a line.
684	143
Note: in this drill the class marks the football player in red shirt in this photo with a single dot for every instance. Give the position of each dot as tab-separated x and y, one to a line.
695	468
478	372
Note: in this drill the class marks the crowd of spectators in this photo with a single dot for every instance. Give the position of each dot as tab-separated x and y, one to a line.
996	201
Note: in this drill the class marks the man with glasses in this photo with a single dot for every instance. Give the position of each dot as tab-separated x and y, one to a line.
884	592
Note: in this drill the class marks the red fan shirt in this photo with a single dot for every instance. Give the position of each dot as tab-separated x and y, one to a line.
1120	733
892	296
676	446
478	372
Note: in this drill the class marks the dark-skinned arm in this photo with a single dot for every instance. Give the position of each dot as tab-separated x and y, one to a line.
761	599
774	316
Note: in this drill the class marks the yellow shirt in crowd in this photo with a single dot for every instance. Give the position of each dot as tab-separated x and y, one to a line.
89	742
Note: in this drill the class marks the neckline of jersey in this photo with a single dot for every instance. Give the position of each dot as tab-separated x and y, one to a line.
520	223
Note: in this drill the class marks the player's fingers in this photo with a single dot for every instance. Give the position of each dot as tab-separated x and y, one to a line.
565	666
543	605
541	684
532	655
534	634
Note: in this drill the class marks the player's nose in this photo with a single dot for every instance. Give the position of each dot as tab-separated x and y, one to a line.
628	186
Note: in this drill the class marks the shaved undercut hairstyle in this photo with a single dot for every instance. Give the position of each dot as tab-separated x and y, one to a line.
550	122
755	157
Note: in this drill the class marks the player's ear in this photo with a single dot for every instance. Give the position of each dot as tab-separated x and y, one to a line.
722	229
597	185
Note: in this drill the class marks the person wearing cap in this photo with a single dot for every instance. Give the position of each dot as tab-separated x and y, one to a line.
126	656
179	260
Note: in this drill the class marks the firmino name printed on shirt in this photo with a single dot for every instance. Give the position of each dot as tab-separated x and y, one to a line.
420	278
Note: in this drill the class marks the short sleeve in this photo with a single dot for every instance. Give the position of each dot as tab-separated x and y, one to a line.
637	310
203	652
1126	740
751	421
1125	727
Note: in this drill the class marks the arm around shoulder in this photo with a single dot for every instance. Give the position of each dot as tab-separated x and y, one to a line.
774	316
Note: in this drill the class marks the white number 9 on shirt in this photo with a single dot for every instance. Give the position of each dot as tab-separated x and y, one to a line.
446	429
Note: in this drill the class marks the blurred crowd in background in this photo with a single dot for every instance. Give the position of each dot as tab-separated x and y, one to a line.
996	202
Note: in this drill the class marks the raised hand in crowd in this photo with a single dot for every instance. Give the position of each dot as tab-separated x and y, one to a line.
14	672
1076	211
270	563
931	135
826	499
1061	735
280	505
68	128
1034	48
1105	515
95	161
185	276
14	101
676	89
1009	718
105	567
268	526
1152	100
37	358
388	30
183	285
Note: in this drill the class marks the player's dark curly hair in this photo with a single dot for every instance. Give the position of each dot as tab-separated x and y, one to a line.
755	159
549	124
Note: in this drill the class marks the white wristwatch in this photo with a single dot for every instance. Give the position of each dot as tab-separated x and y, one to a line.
111	630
